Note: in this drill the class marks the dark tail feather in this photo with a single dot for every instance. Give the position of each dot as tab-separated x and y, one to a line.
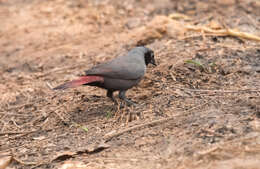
82	80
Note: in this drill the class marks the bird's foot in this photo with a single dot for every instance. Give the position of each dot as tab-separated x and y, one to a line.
127	102
122	96
115	102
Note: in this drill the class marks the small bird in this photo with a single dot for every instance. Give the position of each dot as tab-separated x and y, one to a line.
119	74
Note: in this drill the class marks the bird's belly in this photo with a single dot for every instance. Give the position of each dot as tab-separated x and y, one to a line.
119	84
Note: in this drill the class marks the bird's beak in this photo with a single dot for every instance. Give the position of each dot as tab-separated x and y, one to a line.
153	62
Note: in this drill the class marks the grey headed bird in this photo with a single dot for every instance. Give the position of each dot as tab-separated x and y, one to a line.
118	74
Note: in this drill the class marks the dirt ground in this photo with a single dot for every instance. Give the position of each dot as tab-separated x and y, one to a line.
199	108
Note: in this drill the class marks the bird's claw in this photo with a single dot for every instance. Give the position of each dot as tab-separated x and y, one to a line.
127	102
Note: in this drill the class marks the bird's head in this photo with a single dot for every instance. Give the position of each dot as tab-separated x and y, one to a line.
149	56
145	52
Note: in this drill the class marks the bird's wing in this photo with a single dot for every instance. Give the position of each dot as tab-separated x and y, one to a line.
119	68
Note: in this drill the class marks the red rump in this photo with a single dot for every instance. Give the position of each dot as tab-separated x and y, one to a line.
82	80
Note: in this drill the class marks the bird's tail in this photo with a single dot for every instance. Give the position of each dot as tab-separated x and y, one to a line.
81	81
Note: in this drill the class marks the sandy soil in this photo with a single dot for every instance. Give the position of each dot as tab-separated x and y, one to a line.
199	108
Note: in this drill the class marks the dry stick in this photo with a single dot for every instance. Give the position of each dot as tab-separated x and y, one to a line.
219	91
25	132
224	32
224	91
8	113
108	137
22	162
17	132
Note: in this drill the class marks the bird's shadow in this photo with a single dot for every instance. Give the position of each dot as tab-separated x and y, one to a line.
86	113
96	108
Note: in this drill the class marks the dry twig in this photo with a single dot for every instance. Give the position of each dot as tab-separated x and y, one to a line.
223	32
22	162
17	132
108	137
220	91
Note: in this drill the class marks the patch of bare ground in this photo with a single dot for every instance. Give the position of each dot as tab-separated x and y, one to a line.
199	108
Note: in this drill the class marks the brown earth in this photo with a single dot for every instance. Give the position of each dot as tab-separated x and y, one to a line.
199	108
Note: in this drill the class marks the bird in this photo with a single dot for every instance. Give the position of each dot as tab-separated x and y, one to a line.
119	74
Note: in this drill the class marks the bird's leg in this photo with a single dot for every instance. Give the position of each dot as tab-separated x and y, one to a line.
110	95
123	97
